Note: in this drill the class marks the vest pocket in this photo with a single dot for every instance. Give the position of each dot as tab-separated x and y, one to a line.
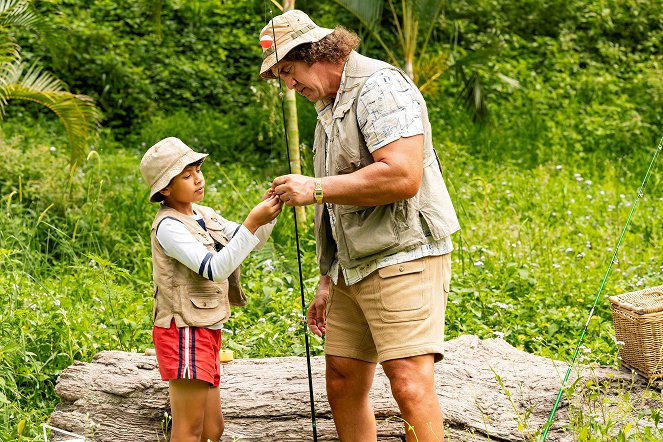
203	306
368	230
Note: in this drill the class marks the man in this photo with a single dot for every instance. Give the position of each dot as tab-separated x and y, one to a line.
383	220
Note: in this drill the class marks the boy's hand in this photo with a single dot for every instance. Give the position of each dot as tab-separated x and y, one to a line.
269	192
262	213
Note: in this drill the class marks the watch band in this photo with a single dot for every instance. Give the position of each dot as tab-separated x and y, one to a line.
317	193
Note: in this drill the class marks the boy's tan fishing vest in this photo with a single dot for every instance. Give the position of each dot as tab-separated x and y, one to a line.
183	294
367	233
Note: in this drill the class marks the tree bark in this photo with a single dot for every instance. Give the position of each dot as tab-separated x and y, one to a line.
486	387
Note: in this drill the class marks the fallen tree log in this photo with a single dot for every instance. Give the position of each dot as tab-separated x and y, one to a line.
487	389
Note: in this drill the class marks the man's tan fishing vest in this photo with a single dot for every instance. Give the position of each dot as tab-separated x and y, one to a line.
365	233
183	294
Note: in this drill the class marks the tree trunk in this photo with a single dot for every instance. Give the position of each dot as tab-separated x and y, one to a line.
120	397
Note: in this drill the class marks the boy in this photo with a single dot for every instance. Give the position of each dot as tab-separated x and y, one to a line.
194	254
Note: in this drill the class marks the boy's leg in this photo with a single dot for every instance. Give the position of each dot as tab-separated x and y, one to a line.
188	398
213	424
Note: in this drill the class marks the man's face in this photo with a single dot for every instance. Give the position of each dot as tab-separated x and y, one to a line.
311	82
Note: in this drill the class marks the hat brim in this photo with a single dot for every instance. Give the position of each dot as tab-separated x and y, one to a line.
282	50
172	172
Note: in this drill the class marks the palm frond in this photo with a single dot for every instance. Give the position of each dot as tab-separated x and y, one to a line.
19	13
427	13
473	98
369	12
428	69
78	113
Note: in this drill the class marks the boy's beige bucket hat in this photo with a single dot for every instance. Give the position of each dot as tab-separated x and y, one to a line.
163	162
291	29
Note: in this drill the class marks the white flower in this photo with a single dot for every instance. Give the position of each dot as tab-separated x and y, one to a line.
262	320
52	148
478	263
568	250
588	182
503	305
555	265
558	167
499	334
580	255
57	302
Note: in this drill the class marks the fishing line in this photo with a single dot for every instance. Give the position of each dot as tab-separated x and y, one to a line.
639	194
299	253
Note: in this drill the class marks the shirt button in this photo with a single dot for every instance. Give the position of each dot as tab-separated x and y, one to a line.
401	269
204	304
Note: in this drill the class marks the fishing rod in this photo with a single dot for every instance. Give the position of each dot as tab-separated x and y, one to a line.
294	215
639	194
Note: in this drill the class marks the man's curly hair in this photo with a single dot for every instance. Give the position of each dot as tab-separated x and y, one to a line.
333	48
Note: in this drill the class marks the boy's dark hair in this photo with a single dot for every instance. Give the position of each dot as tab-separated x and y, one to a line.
333	48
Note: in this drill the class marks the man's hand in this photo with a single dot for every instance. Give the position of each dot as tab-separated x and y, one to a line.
317	311
294	190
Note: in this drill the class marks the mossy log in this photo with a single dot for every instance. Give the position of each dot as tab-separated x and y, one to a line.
487	388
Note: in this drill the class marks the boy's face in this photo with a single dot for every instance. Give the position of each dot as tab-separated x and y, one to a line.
186	188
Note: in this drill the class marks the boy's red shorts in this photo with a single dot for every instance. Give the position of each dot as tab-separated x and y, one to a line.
188	353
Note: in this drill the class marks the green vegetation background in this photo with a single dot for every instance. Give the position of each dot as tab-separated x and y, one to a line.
542	187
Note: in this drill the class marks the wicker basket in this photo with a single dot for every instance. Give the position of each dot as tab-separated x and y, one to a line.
638	320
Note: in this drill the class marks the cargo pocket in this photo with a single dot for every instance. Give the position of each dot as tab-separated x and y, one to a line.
405	294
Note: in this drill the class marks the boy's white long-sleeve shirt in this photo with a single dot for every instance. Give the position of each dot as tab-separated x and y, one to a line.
180	244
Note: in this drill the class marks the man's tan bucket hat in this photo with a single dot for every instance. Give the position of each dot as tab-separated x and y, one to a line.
291	29
163	162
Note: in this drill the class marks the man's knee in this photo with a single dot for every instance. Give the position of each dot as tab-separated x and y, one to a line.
411	379
348	377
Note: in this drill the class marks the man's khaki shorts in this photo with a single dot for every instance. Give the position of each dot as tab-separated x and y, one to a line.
395	312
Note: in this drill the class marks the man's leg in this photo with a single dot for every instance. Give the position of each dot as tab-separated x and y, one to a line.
348	383
413	386
187	406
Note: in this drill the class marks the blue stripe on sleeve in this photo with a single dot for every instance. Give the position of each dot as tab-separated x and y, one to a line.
236	230
207	257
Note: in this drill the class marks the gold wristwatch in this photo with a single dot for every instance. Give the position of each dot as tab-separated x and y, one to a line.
317	193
